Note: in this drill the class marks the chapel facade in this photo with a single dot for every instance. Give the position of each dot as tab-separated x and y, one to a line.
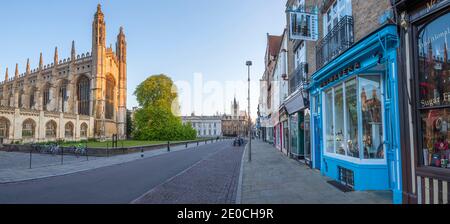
76	98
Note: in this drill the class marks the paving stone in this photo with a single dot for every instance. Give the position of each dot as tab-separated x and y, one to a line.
273	178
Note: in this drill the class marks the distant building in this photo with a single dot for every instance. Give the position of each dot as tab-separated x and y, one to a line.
235	124
206	126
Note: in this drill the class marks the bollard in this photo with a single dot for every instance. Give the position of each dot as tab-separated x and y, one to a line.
197	143
31	156
62	156
142	152
168	146
186	145
87	154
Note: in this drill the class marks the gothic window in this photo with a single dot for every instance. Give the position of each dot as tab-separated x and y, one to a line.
83	92
4	128
63	95
32	101
28	128
46	97
68	130
21	99
50	129
83	130
109	99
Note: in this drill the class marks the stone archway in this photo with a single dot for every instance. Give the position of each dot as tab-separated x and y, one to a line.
69	130
28	129
4	129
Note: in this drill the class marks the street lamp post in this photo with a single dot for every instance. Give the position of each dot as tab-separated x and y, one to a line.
249	64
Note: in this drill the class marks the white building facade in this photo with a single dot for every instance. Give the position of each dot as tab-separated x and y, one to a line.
206	126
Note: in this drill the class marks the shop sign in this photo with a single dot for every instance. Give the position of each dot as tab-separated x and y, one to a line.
339	75
436	101
304	25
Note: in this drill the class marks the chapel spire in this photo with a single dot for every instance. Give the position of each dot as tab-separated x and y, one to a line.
28	67
16	74
6	75
73	52
55	58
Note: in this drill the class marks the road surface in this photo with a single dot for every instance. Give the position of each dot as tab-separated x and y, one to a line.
124	183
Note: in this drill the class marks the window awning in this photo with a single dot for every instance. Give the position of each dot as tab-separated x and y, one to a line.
295	103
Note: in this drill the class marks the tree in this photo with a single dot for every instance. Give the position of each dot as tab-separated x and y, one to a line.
155	120
130	126
158	91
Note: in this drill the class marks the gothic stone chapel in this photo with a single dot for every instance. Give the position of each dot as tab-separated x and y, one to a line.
77	98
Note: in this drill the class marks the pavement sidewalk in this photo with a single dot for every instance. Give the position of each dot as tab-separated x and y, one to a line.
17	174
273	178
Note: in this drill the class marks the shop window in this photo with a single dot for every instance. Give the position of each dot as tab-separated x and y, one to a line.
339	119
372	128
329	130
434	91
351	108
294	134
350	121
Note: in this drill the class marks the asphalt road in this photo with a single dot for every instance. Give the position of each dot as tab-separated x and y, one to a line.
117	184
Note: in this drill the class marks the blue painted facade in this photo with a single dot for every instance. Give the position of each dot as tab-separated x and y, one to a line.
375	54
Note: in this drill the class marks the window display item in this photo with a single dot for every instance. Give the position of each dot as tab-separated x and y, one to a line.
436	160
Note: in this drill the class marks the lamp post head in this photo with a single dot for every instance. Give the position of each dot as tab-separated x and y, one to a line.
249	63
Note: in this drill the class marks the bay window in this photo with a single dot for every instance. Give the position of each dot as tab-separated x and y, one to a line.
354	126
434	91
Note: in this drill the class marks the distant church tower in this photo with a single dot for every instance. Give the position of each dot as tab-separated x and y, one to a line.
235	108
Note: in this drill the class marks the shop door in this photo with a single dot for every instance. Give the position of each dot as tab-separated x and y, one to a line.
286	137
317	142
316	131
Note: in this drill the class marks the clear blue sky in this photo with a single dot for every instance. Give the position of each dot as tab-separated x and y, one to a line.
176	37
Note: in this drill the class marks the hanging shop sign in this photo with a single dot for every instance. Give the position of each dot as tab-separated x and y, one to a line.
304	24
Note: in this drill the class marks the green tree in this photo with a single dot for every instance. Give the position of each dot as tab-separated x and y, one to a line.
156	119
157	91
130	126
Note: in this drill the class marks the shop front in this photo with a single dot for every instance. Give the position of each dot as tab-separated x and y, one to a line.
425	59
277	130
285	136
296	107
355	115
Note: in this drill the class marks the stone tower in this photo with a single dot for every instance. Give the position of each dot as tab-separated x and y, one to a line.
121	51
108	80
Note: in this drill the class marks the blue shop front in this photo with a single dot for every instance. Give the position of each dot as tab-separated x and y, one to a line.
355	119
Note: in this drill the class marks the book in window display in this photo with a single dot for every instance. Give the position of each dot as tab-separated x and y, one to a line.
436	137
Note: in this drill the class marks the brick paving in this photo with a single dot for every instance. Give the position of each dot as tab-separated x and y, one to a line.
211	181
272	178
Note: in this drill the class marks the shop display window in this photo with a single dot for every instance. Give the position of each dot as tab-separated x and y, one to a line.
294	134
372	128
354	119
351	108
329	128
434	91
